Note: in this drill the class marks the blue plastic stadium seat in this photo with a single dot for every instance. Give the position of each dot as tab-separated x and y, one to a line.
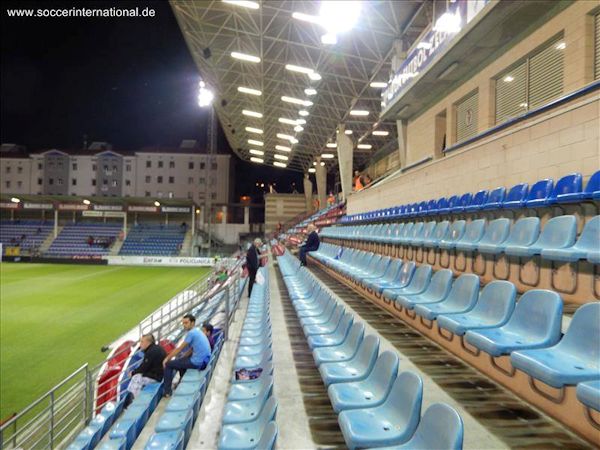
438	290
449	205
355	369
558	233
392	423
516	196
576	358
335	338
170	440
239	411
248	435
417	285
591	191
523	234
493	309
495	199
114	444
521	332
183	403
456	232
589	241
539	193
477	202
124	429
370	392
569	184
473	233
437	235
176	421
588	393
463	202
431	207
387	280
462	298
342	352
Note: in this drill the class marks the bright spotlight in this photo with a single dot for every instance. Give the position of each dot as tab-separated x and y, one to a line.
205	95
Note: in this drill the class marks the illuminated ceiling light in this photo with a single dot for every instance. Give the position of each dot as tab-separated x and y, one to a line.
257	160
448	23
256	152
245	57
380	133
322	163
331	145
300	69
287	137
339	16
314	76
287	121
310	91
244	3
312	170
205	95
86	201
314	163
303	112
560	46
157	203
327	155
329	39
250	91
298	129
364	146
252	113
347	131
17	200
255	142
296	101
508	79
281	157
254	130
279	164
294	141
306	17
283	148
359	112
301	122
424	45
378	84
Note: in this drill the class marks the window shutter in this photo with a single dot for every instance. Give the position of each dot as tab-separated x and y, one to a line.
467	112
511	93
546	74
597	46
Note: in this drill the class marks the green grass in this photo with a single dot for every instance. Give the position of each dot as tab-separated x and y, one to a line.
56	317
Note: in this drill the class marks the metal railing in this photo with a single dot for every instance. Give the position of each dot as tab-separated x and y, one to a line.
56	417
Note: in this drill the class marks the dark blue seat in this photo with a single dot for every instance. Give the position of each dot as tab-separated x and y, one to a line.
569	184
587	243
558	233
450	205
431	207
576	358
516	196
588	393
495	198
521	332
463	202
442	205
539	193
477	202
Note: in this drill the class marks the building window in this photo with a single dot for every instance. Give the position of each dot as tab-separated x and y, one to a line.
146	194
148	164
104	182
213	195
19	169
114	183
8	184
50	181
170	194
171	164
128	168
171	180
7	169
189	195
127	182
159	194
213	166
94	168
40	181
190	180
202	165
74	166
59	181
597	46
201	181
531	83
40	166
148	178
114	168
19	184
160	164
94	182
159	179
467	111
73	181
191	165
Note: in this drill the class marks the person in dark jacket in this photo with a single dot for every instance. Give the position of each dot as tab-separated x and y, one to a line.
151	369
311	244
253	262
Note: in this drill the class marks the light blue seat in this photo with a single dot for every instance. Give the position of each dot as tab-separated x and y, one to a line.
535	323
247	435
495	198
114	444
568	184
439	232
594	257
440	428
124	429
378	271
342	352
354	369
588	242
438	290
138	413
539	193
588	393
250	389
392	423
176	421
169	440
591	191
401	279
559	232
87	439
388	277
457	231
414	233
473	234
425	234
335	338
479	199
524	233
495	234
493	309
252	362
576	358
250	350
370	392
268	437
462	298
189	388
403	235
185	402
327	325
418	283
238	411
516	196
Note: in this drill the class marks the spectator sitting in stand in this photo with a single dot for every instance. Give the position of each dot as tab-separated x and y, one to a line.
208	331
311	244
150	370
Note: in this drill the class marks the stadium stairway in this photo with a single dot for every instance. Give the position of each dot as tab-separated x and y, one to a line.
186	245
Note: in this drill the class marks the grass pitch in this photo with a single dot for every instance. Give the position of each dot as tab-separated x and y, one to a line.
56	317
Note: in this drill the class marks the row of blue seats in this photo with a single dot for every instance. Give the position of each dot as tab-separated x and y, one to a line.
249	414
543	193
376	405
491	319
557	241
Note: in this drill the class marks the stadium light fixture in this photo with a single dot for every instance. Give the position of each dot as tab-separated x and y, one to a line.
205	95
322	163
86	201
245	57
347	131
279	164
380	133
256	152
281	157
286	137
298	128
359	112
314	163
197	211
287	121
296	101
257	160
250	91
303	112
15	200
254	130
249	113
331	145
327	155
448	23
364	146
312	170
283	148
314	76
301	122
310	91
299	69
334	16
156	203
378	84
255	142
244	3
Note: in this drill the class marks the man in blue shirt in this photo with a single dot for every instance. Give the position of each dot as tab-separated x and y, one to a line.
196	355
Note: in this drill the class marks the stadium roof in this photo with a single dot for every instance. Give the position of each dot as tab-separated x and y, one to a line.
216	29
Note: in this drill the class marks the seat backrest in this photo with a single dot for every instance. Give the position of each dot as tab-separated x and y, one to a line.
465	200
422	208
407	229
567	185
538	316
525	231
421	277
381	266
442	203
464	292
559	232
474	231
588	239
367	352
384	371
496	301
392	271
452	202
355	335
457	230
397	230
403	405
496	195
344	324
517	193
440	428
427	230
593	184
496	232
267	414
480	198
268	436
540	190
374	262
406	273
416	230
441	283
583	335
440	231
431	205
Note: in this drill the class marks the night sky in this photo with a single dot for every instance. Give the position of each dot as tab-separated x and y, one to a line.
128	81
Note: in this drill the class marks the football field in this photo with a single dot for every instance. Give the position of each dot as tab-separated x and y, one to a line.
56	317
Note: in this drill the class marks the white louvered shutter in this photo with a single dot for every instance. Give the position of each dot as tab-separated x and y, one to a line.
467	112
597	46
546	70
511	93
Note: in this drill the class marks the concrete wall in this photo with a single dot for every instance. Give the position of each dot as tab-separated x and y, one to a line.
281	208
